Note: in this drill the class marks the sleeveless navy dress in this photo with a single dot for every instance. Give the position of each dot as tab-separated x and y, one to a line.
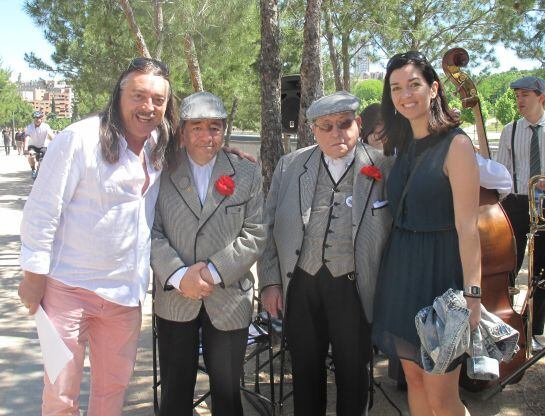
422	259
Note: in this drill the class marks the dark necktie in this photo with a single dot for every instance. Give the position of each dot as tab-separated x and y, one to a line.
535	163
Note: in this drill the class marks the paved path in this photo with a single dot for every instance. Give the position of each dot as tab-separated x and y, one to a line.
20	358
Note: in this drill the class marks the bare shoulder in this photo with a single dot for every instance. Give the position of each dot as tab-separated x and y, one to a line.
461	146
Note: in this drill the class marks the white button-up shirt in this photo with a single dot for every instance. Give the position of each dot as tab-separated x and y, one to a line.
523	138
86	222
38	136
337	167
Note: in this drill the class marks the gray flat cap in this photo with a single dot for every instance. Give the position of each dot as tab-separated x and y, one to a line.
338	102
529	83
202	105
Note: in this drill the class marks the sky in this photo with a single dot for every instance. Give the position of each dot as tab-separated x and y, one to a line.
19	35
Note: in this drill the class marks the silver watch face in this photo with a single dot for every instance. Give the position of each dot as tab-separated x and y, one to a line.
473	290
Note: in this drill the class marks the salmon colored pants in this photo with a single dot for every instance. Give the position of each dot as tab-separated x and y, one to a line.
111	330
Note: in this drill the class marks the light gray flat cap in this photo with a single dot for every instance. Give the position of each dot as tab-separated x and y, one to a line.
529	83
202	105
338	102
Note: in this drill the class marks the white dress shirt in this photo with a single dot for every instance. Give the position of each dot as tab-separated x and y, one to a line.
337	167
494	175
86	222
201	176
523	136
38	136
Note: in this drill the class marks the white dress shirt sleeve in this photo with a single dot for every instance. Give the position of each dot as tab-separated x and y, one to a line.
214	273
60	173
178	275
494	175
504	148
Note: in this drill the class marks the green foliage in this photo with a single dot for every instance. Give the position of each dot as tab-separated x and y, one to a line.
467	115
292	20
93	45
368	90
12	107
493	86
59	123
527	35
506	107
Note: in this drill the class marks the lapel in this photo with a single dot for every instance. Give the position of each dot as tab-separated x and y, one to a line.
223	166
307	183
183	182
362	187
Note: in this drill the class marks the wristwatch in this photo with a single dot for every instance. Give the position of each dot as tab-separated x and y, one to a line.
472	291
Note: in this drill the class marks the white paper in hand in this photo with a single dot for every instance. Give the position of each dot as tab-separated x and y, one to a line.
55	352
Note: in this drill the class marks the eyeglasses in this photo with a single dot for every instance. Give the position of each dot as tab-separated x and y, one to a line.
342	125
142	63
405	57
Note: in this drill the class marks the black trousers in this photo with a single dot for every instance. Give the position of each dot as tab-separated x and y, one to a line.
323	310
223	353
516	207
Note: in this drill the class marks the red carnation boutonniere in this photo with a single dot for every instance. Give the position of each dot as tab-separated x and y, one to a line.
372	172
225	185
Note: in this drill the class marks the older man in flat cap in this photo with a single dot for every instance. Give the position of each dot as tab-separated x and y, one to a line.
327	228
522	151
208	232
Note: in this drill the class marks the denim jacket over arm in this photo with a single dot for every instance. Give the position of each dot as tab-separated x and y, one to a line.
445	335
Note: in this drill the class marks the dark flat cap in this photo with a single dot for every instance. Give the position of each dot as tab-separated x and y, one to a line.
202	105
338	102
529	83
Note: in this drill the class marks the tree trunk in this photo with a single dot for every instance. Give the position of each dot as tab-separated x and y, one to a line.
135	29
312	84
270	67
333	55
230	121
192	63
159	28
345	40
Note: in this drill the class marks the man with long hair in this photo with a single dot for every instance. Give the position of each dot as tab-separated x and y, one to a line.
86	236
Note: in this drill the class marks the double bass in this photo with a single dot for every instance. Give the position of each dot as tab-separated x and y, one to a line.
498	250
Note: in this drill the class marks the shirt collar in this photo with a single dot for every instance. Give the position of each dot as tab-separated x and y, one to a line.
151	140
541	121
345	160
196	166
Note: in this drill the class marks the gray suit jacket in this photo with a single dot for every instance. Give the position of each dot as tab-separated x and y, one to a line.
288	211
227	231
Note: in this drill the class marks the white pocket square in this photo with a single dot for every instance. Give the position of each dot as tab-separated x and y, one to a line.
380	204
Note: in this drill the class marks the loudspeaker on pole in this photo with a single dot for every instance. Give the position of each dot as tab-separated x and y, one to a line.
290	102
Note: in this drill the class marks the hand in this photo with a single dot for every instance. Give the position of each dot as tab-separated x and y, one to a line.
207	276
192	286
272	300
240	153
474	305
32	290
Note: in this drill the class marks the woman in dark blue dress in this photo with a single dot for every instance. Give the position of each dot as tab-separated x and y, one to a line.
433	190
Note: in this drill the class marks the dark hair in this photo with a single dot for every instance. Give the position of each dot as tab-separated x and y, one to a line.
174	144
111	125
397	128
371	117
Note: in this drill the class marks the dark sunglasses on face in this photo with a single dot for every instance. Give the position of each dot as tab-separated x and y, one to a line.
341	125
141	63
406	57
